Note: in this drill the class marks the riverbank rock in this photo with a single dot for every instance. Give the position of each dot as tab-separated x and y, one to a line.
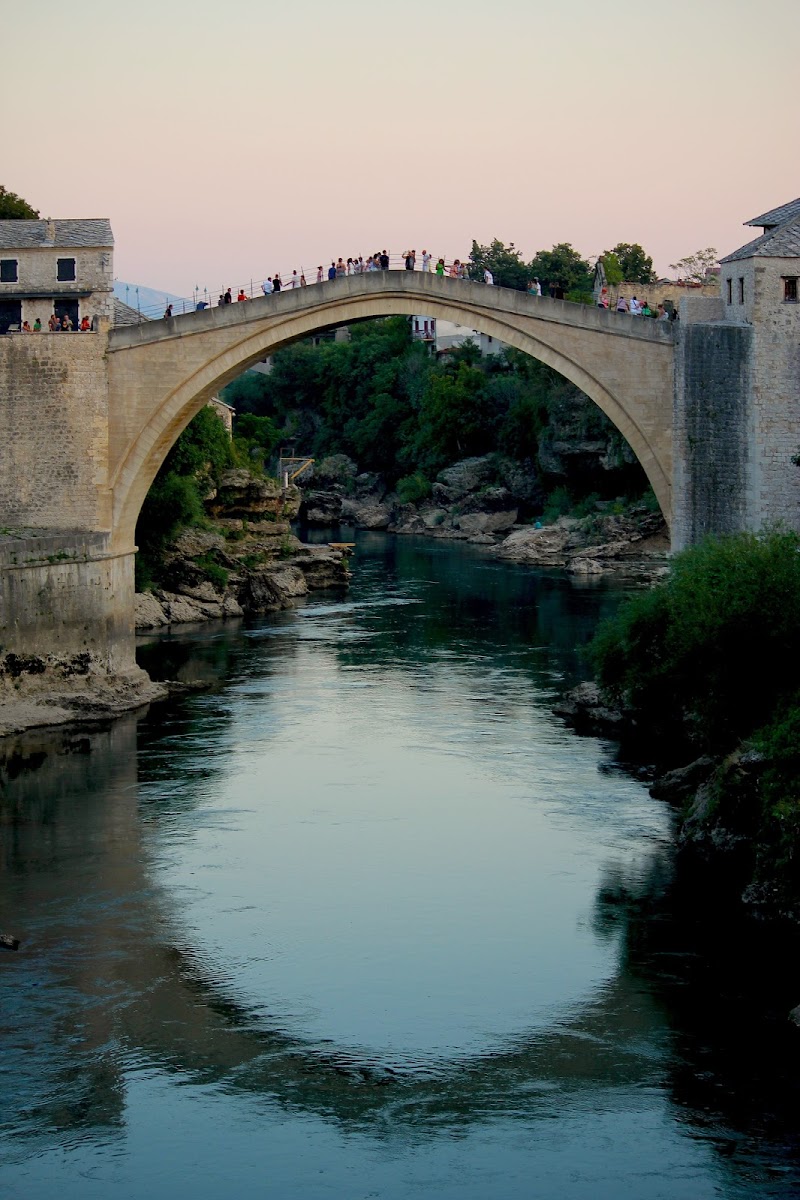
585	710
247	561
39	691
635	543
240	493
675	786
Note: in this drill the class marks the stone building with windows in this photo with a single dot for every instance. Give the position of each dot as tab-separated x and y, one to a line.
761	278
737	427
64	267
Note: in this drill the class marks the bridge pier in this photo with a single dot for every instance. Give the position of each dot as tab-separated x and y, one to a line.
736	415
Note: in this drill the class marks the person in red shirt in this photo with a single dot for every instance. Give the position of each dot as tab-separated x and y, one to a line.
241	295
85	325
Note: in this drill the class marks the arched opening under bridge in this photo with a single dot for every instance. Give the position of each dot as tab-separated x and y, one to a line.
162	373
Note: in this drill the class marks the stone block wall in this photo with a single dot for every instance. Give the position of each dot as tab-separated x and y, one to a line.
712	462
37	272
54	431
65	594
774	493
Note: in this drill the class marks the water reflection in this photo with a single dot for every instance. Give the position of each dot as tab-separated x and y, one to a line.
159	874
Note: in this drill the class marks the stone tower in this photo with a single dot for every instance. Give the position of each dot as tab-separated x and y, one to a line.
737	390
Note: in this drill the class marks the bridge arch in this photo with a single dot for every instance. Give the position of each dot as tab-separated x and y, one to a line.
161	374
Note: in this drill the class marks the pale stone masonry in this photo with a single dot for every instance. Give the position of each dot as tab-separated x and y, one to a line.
710	406
63	265
737	414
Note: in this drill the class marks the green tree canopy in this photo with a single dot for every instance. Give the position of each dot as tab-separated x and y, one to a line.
563	267
695	267
612	268
14	208
636	266
504	262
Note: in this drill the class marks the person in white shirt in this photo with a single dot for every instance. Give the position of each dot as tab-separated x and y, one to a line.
635	308
319	274
266	286
488	277
426	260
295	280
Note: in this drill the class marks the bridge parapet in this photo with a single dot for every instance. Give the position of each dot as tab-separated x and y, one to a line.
466	294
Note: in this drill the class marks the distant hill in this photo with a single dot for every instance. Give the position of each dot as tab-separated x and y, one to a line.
149	301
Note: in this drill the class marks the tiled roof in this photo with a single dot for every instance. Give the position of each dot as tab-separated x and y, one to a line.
777	216
21	235
125	315
783	242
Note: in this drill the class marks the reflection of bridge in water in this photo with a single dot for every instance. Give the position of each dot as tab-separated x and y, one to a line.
120	993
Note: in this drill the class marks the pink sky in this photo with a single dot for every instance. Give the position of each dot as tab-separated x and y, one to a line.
225	142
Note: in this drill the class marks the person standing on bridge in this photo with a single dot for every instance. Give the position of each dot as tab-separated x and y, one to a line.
426	260
332	271
488	277
635	309
411	257
341	269
319	273
294	282
622	305
384	261
266	286
241	295
168	312
228	297
277	283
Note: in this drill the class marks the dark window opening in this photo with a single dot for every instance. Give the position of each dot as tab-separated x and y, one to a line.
729	282
790	289
66	269
66	308
8	270
741	289
10	314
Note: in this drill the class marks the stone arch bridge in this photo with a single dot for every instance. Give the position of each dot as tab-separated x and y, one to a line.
86	421
162	372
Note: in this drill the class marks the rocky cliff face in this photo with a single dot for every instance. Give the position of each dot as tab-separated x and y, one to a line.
483	500
247	561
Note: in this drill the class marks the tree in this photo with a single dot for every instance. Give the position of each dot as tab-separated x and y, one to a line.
636	266
14	208
504	262
564	269
612	268
695	267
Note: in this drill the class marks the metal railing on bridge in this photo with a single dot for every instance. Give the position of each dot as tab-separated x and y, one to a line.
202	298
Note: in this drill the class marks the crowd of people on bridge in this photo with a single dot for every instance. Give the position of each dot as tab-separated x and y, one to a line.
355	265
635	307
341	268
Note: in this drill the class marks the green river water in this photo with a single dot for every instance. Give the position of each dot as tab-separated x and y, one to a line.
364	919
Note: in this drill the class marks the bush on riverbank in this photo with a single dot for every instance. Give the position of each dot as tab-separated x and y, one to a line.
706	663
710	654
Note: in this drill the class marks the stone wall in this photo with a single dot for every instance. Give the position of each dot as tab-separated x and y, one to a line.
660	293
54	431
37	272
64	594
711	425
774	486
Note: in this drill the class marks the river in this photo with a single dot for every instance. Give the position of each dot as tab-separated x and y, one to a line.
364	919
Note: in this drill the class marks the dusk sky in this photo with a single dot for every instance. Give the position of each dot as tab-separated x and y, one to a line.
227	141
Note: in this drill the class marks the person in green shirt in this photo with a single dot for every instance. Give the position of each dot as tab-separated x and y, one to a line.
37	326
646	310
